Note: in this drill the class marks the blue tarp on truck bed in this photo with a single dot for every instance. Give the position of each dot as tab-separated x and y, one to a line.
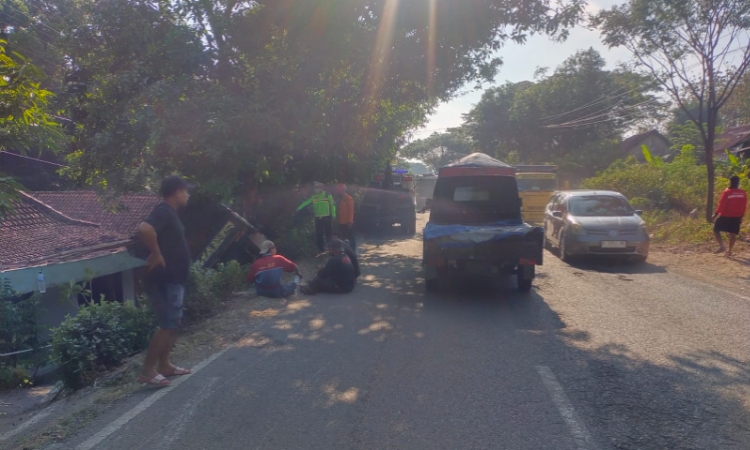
467	235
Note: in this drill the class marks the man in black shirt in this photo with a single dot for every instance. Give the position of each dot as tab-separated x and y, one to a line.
349	252
168	263
337	277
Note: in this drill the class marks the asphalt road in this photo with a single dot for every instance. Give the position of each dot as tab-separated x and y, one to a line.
598	356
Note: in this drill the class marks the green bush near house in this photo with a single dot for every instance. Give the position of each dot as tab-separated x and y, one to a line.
99	337
669	192
207	289
19	330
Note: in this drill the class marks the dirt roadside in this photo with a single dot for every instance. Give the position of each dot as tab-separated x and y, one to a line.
697	261
48	422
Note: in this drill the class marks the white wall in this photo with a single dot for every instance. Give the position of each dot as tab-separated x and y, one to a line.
25	280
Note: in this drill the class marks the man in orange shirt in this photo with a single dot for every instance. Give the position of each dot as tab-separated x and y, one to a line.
729	214
345	217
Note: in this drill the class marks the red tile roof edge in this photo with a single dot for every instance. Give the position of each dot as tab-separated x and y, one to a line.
55	213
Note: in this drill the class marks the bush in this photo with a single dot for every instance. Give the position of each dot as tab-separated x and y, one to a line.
298	241
19	327
13	377
99	337
679	186
207	289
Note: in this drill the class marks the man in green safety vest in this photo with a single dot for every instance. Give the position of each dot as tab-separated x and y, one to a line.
325	209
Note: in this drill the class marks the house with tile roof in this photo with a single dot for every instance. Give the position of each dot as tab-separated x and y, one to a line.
656	142
71	236
736	140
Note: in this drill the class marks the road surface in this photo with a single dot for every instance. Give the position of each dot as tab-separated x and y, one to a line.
598	356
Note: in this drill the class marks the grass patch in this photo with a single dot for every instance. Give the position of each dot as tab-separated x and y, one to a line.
674	228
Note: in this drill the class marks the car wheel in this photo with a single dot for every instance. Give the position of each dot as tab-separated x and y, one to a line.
640	259
564	249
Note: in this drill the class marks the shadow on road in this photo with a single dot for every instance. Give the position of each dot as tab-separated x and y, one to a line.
690	401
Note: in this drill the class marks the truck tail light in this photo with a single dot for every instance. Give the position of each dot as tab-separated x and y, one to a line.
435	262
527	262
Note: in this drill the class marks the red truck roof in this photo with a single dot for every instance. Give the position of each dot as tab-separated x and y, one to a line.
477	164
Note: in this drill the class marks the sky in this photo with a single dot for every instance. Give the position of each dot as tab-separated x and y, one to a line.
520	62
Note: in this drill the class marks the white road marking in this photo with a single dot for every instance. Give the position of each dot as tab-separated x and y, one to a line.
581	436
33	420
94	440
175	428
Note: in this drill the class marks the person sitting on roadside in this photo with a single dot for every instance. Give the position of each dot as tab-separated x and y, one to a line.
729	214
349	252
337	277
266	273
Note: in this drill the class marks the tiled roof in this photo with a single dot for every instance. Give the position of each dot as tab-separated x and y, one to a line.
634	140
121	218
50	226
731	137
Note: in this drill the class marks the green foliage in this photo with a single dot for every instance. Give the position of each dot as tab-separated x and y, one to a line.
13	377
25	122
19	323
298	241
677	186
263	92
99	337
207	289
667	37
651	159
573	118
439	149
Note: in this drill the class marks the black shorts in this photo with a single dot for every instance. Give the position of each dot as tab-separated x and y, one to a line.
728	224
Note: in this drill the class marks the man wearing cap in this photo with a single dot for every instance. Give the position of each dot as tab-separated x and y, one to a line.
345	217
324	209
168	266
337	277
266	273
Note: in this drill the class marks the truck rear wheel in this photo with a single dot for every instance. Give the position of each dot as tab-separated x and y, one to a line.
525	277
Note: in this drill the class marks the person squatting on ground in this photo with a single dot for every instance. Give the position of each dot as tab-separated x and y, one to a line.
349	252
345	217
266	273
324	209
337	277
168	267
729	214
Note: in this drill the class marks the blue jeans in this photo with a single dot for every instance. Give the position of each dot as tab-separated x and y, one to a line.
167	300
281	291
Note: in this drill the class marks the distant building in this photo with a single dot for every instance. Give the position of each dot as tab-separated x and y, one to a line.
657	144
736	140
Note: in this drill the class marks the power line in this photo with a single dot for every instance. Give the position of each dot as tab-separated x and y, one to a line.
32	18
595	102
602	114
23	51
32	159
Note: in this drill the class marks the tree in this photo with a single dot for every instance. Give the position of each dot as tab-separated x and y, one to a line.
685	45
264	92
736	112
25	122
439	149
573	117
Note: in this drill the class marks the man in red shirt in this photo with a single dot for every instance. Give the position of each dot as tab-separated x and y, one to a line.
266	273
729	214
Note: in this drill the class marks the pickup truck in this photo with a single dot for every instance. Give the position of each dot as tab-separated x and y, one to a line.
475	227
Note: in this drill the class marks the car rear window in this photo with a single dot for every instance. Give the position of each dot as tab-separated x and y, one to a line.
475	200
599	206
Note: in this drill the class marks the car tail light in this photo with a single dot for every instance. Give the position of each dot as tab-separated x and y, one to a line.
527	262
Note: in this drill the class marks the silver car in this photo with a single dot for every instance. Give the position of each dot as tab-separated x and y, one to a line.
595	223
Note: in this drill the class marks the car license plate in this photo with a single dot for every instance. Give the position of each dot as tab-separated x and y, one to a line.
614	244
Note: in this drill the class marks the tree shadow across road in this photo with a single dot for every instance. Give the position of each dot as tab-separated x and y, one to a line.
691	400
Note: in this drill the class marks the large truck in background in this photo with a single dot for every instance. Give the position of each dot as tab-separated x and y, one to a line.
536	185
390	199
475	227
